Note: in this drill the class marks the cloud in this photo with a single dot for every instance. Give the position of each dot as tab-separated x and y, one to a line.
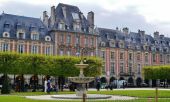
148	15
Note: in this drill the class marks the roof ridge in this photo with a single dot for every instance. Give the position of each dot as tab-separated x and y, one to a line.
67	5
20	16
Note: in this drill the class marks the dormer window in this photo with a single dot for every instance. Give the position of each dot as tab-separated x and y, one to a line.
6	34
47	38
121	45
6	25
35	36
61	26
21	34
102	43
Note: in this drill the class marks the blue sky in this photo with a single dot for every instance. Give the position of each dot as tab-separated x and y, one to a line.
148	15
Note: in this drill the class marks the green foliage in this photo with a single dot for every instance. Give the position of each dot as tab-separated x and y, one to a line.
13	63
157	72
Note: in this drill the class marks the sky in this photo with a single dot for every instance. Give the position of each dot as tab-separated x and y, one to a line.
147	15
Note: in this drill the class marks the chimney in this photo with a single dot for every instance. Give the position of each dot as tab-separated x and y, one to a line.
64	12
45	18
141	32
90	19
52	18
162	36
125	30
156	34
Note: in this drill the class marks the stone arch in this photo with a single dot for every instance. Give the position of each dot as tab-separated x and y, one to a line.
19	83
121	78
130	80
112	79
33	80
139	81
103	80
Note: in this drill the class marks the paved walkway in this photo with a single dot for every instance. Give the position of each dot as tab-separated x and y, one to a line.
49	97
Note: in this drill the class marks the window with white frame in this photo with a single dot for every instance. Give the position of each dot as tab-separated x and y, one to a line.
168	58
34	49
112	68
5	47
103	54
112	56
20	48
161	57
77	40
130	56
48	50
35	36
92	42
86	41
130	67
146	57
121	67
68	39
61	38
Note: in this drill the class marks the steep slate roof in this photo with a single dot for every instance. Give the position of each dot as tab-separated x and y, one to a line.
69	18
136	40
22	22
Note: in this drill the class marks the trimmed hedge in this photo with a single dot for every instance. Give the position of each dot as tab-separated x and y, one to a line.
14	63
157	72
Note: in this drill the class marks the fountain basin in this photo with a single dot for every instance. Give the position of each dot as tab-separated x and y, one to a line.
89	96
81	65
81	80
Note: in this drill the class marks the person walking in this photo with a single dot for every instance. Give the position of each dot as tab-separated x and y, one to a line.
45	85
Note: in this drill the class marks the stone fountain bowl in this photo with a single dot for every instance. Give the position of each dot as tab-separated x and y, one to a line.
81	65
81	80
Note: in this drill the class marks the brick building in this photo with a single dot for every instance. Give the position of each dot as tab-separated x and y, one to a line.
124	54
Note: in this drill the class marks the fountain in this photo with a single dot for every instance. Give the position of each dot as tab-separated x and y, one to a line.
81	79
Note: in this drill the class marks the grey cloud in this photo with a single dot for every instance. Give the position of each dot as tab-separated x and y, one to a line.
103	18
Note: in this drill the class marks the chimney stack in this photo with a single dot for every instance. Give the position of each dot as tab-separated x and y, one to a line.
52	18
156	34
125	30
45	18
90	19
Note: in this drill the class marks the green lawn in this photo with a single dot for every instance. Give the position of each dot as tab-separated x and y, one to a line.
141	94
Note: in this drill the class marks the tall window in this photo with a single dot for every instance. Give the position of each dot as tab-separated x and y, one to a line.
47	50
146	57
86	41
5	47
161	58
112	68
139	69
168	59
68	39
130	56
121	56
112	56
121	67
130	67
103	54
20	48
34	49
154	57
92	42
138	56
77	40
61	38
